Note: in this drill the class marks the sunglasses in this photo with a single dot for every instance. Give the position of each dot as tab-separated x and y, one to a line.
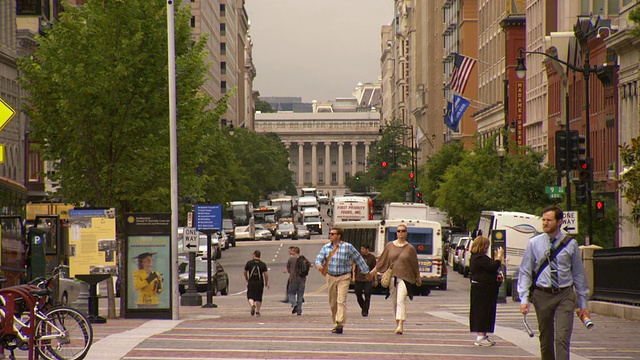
401	231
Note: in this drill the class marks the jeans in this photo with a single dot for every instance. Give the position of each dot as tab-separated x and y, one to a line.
296	294
363	290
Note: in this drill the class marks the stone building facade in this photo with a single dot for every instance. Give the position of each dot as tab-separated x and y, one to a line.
325	149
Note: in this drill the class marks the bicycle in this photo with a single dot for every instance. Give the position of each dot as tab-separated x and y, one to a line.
60	332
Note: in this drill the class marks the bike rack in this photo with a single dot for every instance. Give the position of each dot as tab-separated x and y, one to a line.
9	296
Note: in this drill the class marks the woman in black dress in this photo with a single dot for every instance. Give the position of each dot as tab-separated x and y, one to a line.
484	290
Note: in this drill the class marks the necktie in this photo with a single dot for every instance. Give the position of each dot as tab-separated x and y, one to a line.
554	269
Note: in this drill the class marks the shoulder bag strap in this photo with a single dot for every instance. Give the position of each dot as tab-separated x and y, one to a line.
552	256
325	267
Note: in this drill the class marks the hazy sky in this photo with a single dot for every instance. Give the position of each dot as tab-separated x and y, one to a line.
316	49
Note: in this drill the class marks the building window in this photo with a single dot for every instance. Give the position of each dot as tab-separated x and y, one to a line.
223	49
193	21
320	161
223	29
223	87
223	10
334	160
307	177
347	175
334	177
223	68
321	178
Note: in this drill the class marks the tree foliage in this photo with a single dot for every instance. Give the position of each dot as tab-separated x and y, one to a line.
264	161
484	181
438	163
264	107
630	178
98	100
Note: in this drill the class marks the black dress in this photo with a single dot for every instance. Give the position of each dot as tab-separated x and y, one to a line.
484	293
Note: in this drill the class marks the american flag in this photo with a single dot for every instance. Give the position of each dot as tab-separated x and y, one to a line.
461	70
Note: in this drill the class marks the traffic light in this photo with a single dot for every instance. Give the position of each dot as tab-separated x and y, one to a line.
412	181
577	150
581	191
419	197
384	165
599	213
561	150
412	176
357	177
585	169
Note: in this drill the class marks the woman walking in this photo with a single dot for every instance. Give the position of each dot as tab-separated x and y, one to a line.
484	290
402	257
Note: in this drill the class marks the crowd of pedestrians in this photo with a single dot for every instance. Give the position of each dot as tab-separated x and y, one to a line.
551	277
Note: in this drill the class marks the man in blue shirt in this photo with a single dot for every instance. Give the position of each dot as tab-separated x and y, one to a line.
553	293
334	262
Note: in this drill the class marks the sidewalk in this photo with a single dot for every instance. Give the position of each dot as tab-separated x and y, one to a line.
437	327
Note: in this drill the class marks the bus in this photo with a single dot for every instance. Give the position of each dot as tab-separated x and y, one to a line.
268	216
285	204
424	235
351	208
241	212
13	247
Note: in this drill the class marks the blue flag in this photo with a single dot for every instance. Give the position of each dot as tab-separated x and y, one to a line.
455	110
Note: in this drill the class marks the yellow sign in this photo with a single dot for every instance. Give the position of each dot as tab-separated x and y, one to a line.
6	114
1	153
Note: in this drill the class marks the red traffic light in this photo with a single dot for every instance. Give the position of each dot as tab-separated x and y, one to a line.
384	164
599	205
412	175
419	194
584	166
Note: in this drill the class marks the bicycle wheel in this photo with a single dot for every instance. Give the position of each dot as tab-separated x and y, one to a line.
66	334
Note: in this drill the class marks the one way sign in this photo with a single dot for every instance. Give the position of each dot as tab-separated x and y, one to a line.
191	239
570	223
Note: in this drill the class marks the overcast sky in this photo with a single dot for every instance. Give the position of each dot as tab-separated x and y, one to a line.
316	49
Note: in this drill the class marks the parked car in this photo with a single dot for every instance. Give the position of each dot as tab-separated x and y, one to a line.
303	232
286	231
220	279
262	233
69	289
456	243
229	227
223	239
465	256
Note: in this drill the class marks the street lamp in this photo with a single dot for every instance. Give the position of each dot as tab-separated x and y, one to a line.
231	130
586	70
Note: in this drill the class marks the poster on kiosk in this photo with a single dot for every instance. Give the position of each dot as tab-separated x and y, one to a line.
147	265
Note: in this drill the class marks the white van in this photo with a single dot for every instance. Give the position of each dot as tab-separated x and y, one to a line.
312	219
519	228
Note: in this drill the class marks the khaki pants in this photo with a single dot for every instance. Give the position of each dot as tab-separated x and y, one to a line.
338	287
555	317
399	295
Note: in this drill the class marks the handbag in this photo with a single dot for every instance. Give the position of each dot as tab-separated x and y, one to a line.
385	280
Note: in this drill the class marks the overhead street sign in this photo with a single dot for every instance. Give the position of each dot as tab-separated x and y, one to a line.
554	192
6	114
570	222
190	236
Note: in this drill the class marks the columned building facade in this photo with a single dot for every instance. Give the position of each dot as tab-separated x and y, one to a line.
325	149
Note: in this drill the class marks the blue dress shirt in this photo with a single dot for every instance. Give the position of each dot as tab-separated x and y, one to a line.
569	266
341	261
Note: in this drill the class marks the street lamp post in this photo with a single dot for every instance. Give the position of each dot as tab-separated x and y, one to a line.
586	71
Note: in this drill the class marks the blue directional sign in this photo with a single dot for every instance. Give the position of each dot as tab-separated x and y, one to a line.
208	217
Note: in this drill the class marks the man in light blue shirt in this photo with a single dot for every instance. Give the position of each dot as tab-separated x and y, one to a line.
553	293
334	262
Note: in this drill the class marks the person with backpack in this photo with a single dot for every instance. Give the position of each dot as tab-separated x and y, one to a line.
257	277
297	279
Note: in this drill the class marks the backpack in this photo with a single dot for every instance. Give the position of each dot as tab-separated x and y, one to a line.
302	266
255	273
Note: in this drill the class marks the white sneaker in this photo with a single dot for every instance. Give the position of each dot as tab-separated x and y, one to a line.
483	342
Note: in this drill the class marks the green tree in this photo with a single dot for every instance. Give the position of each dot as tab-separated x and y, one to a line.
97	95
264	163
438	163
484	181
390	149
630	178
263	106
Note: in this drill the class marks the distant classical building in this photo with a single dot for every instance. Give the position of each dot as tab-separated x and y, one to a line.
288	104
325	147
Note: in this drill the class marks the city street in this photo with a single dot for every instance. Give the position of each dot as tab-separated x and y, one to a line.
436	325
